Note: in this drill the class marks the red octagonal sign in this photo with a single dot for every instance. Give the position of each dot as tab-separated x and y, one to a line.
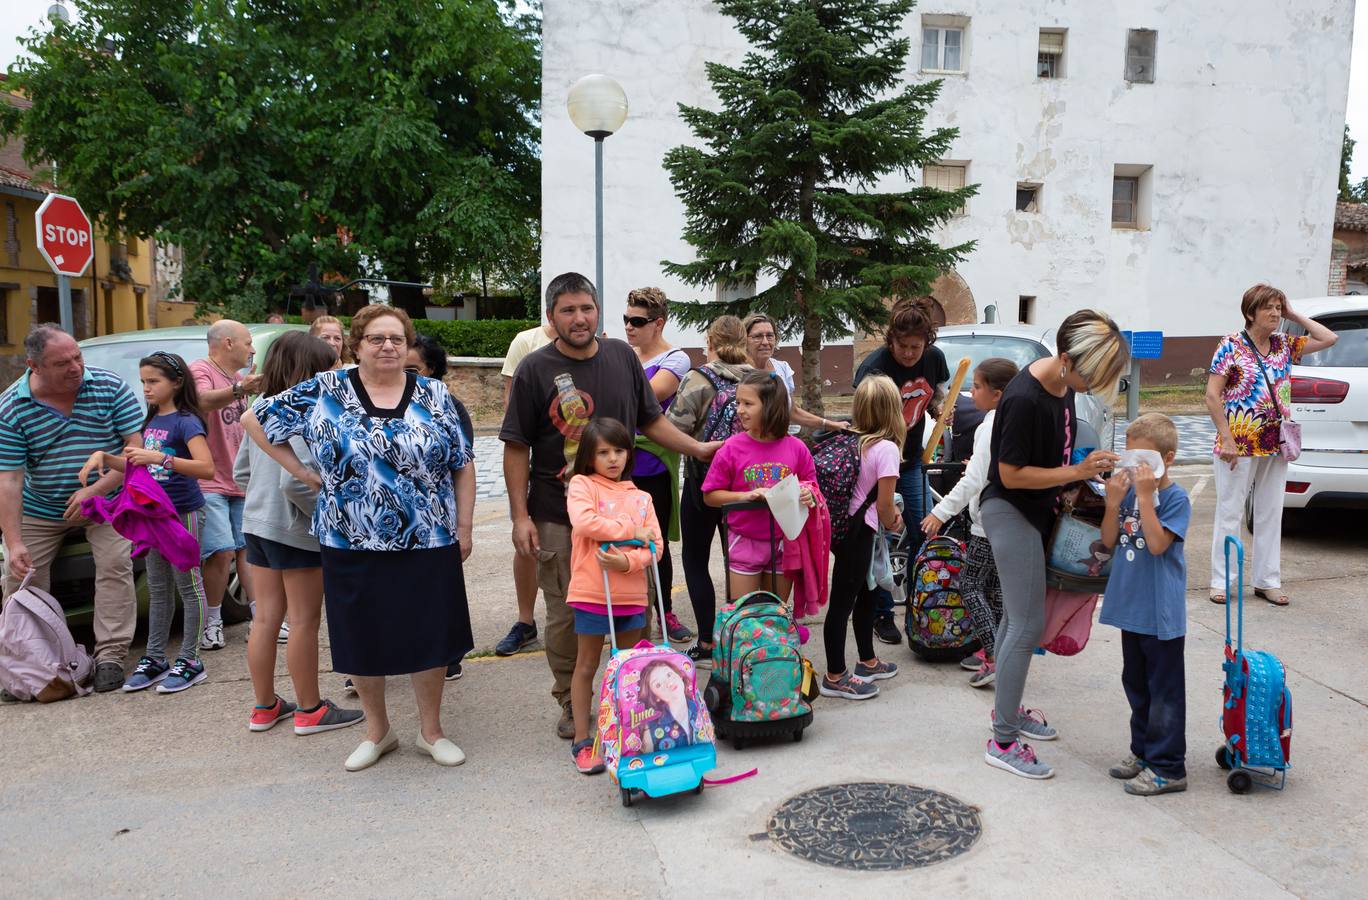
64	235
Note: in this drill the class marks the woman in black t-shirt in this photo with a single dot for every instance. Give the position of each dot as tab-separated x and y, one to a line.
1032	445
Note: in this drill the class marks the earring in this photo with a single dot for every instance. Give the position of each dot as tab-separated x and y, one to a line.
1063	372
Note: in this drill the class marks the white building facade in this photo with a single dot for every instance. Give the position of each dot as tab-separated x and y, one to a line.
1151	159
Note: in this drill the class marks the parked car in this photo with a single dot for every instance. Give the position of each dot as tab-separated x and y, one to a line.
1023	345
1330	401
73	571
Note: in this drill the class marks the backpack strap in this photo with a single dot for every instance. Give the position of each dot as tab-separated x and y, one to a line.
859	513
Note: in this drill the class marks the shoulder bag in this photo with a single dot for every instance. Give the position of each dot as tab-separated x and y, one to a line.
1289	432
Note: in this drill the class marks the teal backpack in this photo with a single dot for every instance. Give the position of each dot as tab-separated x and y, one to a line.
756	688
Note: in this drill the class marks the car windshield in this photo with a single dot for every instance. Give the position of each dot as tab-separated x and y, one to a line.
122	358
1352	347
1021	350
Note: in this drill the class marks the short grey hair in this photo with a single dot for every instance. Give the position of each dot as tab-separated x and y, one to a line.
569	283
37	340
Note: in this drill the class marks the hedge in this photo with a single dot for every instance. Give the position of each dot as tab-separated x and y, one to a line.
485	337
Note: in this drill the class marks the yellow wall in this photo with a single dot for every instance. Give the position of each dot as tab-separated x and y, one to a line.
113	305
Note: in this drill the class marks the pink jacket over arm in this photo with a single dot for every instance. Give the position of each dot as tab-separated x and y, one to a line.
143	514
805	560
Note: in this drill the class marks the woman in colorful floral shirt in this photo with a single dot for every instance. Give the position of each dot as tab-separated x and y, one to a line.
1249	393
393	521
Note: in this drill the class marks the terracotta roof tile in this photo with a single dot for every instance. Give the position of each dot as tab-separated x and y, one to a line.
1351	216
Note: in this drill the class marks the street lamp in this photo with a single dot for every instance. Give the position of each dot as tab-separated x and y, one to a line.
598	107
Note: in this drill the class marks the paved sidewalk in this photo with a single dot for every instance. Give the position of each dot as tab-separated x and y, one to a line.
131	794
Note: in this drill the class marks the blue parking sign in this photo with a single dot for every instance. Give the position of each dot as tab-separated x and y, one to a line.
1145	344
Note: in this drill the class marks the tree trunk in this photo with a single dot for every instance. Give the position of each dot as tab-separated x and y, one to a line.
812	365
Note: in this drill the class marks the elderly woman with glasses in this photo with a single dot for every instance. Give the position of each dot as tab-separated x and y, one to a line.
762	339
393	521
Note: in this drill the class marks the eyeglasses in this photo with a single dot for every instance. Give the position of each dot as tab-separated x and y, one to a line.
379	340
636	321
763	338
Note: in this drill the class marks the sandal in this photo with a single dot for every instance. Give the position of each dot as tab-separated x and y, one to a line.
1278	599
1217	598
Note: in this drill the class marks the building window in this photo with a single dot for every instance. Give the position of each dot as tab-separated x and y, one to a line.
945	177
1140	44
943	45
1026	310
1130	197
1027	196
734	292
1050	57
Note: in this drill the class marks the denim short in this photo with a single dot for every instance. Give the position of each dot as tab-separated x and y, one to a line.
597	623
222	526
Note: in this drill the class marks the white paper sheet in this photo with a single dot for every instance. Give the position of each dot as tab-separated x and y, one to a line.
786	507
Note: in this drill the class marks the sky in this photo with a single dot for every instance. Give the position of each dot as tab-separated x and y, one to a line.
17	16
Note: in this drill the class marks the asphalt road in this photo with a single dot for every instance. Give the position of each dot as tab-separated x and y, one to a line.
136	795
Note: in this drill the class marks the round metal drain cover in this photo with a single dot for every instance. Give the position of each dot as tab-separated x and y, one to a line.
875	826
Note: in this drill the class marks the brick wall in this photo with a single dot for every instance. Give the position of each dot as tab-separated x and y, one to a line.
1339	270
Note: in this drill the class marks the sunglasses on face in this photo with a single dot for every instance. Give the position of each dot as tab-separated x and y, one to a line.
636	321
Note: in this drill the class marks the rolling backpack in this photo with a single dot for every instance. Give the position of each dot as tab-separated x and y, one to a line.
938	624
39	659
756	688
720	422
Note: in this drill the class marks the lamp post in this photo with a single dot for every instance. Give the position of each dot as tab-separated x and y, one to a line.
598	107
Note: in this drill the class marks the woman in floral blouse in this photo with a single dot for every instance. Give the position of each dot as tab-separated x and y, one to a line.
1249	393
393	521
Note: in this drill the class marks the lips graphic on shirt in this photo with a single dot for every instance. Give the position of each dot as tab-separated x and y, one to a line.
916	397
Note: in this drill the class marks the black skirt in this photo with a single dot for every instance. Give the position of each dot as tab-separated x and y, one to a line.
395	612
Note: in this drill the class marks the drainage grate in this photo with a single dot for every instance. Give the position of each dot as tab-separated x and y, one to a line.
875	826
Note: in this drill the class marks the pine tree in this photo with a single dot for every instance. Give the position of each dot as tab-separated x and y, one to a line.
811	121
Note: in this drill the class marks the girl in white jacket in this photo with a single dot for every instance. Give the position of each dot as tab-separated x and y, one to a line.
979	586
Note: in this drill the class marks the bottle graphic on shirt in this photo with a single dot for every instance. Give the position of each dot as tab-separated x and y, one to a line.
574	415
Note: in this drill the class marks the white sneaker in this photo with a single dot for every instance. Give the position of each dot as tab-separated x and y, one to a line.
212	639
284	636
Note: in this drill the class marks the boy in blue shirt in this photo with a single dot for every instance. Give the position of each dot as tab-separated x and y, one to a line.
1147	516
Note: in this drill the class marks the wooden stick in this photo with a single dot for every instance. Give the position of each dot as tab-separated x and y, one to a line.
947	408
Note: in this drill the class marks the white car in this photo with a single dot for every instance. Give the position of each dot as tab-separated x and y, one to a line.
1023	345
1330	401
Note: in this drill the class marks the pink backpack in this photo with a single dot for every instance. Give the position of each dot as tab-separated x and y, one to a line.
1068	621
39	659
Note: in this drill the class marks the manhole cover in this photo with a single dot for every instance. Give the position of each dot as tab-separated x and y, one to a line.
874	826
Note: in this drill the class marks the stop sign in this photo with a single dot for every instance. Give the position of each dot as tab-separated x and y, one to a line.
64	235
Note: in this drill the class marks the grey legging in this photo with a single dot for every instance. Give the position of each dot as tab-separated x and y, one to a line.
1018	550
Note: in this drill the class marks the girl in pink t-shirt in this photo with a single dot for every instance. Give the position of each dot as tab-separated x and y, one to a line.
879	421
746	466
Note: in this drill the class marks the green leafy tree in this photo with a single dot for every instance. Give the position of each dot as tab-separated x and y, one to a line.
1348	191
811	121
391	138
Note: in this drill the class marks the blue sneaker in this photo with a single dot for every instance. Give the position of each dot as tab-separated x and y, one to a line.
518	637
146	673
184	673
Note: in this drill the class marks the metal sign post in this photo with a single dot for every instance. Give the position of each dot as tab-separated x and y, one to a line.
1143	345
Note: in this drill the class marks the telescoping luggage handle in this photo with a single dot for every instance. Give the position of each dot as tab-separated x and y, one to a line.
608	594
1232	541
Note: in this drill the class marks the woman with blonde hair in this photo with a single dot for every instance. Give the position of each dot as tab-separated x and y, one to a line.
878	418
728	362
1032	450
329	329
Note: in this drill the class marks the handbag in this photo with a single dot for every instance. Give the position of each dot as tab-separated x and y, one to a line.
1289	432
1076	559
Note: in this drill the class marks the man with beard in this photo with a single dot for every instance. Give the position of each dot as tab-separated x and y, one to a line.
556	391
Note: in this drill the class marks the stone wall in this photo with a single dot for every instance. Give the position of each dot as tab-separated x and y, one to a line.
477	383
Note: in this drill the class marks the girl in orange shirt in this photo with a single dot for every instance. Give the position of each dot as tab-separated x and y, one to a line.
604	506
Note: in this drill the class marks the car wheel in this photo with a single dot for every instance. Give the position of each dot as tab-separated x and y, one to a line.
235	608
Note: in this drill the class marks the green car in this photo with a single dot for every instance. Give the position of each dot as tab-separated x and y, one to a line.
73	571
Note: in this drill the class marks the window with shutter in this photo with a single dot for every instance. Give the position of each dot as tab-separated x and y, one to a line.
1050	58
1140	47
945	177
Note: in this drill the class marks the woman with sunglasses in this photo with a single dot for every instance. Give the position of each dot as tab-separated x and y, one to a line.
656	470
762	339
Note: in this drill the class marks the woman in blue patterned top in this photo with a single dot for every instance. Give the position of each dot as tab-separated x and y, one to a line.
393	521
